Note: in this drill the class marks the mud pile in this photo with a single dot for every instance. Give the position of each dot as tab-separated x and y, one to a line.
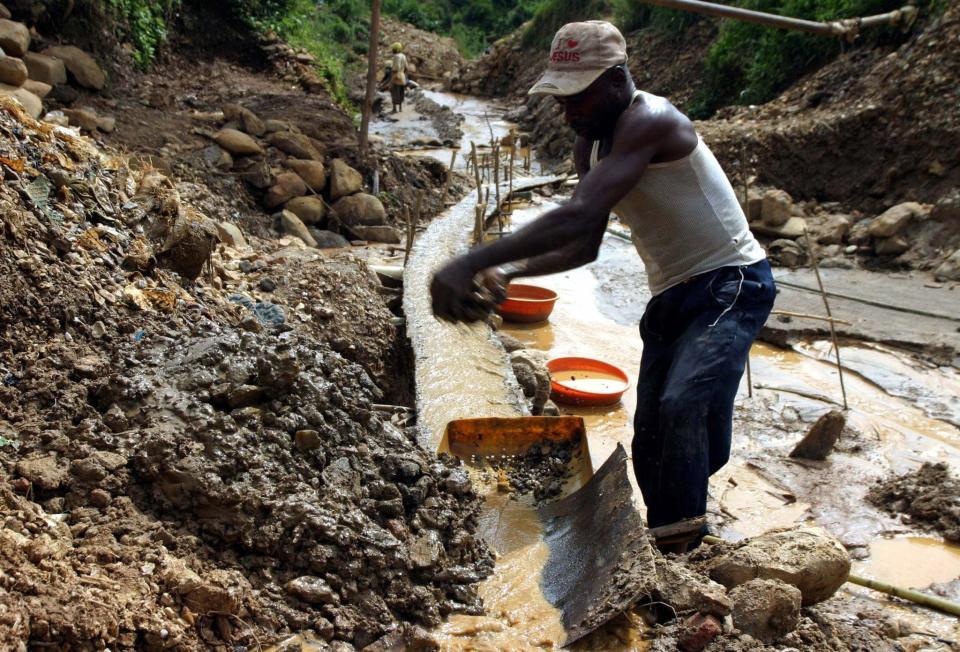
929	498
191	455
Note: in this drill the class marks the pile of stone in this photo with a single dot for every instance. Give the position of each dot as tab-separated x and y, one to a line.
314	199
909	234
31	76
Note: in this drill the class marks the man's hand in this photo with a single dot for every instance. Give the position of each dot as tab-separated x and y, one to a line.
457	296
495	281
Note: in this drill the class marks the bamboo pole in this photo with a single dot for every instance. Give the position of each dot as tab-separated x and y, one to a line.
746	203
411	231
446	182
802	315
496	171
848	28
923	599
371	75
476	171
826	305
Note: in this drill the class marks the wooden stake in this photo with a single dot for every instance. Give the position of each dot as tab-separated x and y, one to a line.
476	170
371	74
446	182
746	193
826	305
411	232
496	172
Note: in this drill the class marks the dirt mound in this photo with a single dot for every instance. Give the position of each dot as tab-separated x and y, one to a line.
871	129
199	461
930	498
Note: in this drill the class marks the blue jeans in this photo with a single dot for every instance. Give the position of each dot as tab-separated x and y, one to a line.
696	338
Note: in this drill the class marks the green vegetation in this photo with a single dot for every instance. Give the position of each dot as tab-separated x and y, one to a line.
553	14
146	24
750	64
473	24
324	28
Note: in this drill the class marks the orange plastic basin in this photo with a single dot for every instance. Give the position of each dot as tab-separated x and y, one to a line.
527	303
584	381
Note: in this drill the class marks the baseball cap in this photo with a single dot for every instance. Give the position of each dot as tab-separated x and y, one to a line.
580	53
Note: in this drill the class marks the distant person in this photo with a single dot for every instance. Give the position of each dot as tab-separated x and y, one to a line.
640	157
398	77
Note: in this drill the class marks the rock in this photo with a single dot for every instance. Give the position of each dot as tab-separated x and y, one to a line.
247	119
754	208
12	71
891	221
64	94
42	68
787	253
208	597
776	207
426	550
949	269
274	126
237	142
295	144
344	180
83	118
81	65
257	173
833	230
360	209
685	591
860	232
57	118
892	246
32	105
698	632
550	409
44	472
313	173
792	229
14	38
819	440
766	609
285	187
217	158
100	498
530	368
231	235
307	440
4	12
291	225
188	245
312	590
806	557
38	88
106	123
310	209
380	233
947	209
267	285
329	239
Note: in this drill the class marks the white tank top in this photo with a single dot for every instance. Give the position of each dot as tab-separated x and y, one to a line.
685	218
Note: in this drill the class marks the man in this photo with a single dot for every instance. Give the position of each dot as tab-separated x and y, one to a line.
398	77
638	156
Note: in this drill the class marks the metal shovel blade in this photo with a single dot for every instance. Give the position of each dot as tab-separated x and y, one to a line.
601	561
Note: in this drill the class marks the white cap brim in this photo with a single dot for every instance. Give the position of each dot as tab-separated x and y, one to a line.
564	82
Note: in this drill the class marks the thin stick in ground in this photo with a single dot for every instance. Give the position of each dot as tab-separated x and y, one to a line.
746	206
446	182
476	171
826	305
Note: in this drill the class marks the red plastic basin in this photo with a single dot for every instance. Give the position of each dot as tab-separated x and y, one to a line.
527	303
585	381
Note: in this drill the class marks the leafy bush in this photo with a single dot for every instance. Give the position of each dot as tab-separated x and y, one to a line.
145	24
